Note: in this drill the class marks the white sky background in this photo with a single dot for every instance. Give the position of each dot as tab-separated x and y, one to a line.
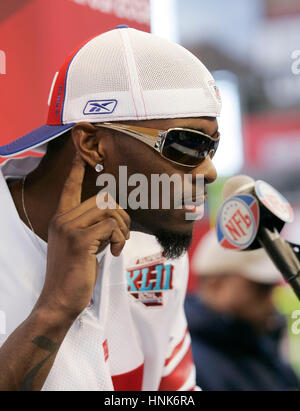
229	158
164	19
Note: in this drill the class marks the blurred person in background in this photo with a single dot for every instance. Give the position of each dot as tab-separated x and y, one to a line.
235	328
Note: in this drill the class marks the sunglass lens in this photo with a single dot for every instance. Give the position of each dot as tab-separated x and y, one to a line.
187	148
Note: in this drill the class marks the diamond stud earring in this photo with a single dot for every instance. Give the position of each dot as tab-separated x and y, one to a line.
99	168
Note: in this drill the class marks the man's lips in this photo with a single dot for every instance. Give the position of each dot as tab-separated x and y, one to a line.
194	209
197	206
187	202
195	201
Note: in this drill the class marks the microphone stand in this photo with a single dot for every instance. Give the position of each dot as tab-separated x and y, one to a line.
285	255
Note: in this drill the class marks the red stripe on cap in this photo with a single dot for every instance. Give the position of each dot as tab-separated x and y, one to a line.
176	349
58	96
179	375
129	381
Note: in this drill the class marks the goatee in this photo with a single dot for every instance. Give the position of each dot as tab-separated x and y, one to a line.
174	244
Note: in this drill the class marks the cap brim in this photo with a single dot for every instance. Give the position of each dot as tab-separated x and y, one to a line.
35	138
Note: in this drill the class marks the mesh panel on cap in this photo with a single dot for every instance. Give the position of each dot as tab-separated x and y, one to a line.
146	76
165	65
99	67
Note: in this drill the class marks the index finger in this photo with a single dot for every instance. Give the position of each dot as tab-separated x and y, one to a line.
104	201
71	194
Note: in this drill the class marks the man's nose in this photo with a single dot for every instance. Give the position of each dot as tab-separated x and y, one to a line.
208	169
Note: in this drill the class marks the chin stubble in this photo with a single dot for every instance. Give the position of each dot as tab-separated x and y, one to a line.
174	244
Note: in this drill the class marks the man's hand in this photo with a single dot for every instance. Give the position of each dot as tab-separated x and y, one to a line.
77	233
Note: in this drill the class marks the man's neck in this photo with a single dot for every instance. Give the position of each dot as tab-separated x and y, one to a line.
38	205
42	190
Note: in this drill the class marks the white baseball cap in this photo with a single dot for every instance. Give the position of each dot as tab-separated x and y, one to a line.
124	74
212	259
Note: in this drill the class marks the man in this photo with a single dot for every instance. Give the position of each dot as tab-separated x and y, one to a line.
93	297
235	329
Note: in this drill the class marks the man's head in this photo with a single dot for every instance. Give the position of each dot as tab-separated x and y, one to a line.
130	77
239	283
113	149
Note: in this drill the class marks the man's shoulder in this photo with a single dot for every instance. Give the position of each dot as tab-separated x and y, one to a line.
18	167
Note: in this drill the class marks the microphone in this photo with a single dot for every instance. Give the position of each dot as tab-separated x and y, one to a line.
252	216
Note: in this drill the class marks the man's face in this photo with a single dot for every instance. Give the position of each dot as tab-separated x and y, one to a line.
249	300
170	225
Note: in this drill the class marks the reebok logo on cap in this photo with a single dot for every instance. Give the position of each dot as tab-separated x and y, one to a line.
100	107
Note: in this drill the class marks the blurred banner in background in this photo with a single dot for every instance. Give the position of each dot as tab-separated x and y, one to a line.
35	38
255	53
253	48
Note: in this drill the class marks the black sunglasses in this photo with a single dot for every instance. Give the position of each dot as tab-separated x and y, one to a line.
183	146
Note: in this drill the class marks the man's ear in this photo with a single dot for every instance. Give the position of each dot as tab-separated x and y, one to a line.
86	141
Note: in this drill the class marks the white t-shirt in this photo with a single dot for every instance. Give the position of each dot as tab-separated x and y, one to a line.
133	336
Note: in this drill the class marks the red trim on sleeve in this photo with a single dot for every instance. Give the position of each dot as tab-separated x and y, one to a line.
176	349
105	350
179	375
129	381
